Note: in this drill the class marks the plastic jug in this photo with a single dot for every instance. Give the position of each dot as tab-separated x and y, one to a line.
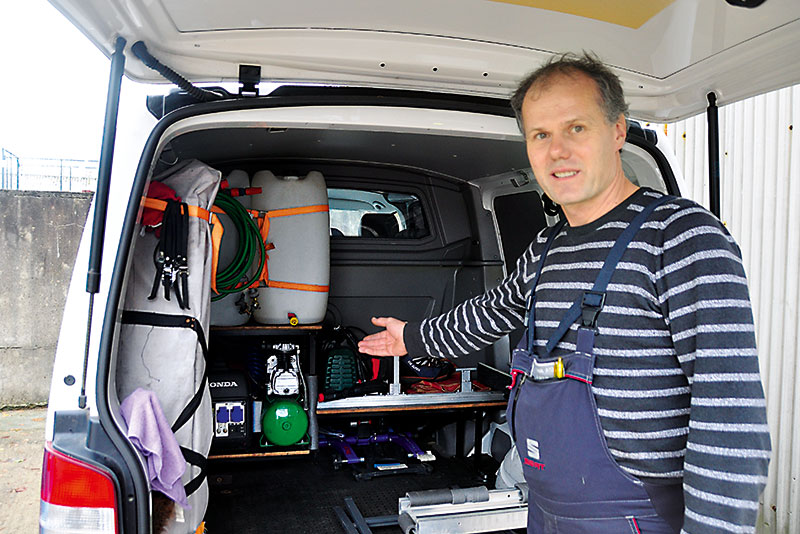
299	264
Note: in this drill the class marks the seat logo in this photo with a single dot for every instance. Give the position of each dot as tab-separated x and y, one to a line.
533	453
533	448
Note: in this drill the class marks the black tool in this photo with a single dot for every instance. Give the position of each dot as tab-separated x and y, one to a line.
170	254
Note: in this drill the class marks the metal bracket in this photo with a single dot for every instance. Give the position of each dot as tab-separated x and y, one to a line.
520	179
249	78
466	378
353	522
394	387
500	510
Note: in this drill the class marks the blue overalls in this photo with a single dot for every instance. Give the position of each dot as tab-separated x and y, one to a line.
575	486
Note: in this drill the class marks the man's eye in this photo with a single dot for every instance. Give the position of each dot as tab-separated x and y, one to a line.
577	128
540	135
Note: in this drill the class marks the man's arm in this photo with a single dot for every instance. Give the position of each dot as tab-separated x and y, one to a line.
470	326
704	293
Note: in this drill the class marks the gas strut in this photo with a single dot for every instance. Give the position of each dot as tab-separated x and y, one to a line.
101	196
713	154
203	95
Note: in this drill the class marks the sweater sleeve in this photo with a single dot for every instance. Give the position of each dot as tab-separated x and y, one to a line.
704	295
478	322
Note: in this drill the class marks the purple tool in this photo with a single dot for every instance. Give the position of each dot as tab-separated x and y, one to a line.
344	445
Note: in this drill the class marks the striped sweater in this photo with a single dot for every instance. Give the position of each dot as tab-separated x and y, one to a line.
676	381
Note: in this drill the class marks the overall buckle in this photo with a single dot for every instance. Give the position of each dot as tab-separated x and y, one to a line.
591	305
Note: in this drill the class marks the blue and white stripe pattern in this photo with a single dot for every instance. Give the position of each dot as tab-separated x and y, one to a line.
677	381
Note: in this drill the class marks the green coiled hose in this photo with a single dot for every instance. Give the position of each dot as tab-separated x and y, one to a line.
233	278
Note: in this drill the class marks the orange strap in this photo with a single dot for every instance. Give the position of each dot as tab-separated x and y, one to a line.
206	215
285	212
297	287
264	217
194	211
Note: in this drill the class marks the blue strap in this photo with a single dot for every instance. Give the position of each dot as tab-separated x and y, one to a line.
550	238
606	272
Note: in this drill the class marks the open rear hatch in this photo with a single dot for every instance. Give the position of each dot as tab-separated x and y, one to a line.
669	54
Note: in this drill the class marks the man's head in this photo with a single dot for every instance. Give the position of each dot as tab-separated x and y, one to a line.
574	129
609	89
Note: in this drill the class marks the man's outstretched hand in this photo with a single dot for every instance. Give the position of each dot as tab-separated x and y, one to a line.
388	342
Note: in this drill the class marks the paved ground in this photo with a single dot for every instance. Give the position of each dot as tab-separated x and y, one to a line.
21	447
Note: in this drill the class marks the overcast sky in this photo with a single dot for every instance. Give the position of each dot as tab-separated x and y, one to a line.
53	85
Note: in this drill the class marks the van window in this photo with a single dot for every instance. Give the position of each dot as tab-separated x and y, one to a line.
376	214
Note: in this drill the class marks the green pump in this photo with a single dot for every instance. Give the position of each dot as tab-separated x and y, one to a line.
284	422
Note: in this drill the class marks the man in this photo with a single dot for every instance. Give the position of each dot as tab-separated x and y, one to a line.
663	429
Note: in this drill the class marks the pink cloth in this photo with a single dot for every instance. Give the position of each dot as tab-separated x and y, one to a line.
151	434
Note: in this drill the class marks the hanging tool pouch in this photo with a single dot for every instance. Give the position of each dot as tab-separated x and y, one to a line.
170	254
162	342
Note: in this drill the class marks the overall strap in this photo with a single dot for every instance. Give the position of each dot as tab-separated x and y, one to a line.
549	243
588	306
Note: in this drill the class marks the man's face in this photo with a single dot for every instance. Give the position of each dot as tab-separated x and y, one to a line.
573	150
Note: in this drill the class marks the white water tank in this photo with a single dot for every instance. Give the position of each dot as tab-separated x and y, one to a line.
299	264
233	309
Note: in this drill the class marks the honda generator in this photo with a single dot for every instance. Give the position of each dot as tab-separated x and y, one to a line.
233	415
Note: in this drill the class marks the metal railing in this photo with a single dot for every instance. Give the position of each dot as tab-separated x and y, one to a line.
46	174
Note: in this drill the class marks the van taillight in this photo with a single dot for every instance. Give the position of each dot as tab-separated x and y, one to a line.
76	497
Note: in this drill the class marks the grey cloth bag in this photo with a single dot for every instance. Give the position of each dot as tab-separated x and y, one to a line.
170	361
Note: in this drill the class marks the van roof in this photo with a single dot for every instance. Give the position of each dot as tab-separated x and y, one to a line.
669	54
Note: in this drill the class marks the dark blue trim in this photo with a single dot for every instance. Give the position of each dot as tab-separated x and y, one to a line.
550	238
606	272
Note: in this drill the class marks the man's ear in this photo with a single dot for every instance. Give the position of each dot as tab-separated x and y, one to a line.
620	131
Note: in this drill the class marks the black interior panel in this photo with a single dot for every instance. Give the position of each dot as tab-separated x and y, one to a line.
519	217
459	157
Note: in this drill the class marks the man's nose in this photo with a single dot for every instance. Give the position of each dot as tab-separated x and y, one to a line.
559	148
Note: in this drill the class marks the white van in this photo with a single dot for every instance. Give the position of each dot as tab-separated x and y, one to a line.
390	141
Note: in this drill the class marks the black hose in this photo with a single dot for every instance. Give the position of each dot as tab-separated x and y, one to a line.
139	49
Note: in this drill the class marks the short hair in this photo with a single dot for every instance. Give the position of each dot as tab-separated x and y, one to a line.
612	98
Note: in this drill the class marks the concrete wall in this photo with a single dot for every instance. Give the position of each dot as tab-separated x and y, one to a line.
39	236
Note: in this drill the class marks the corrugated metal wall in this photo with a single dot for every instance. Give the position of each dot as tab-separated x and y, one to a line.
760	205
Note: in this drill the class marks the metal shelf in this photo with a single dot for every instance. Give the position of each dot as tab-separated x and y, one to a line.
403	402
239	456
259	329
